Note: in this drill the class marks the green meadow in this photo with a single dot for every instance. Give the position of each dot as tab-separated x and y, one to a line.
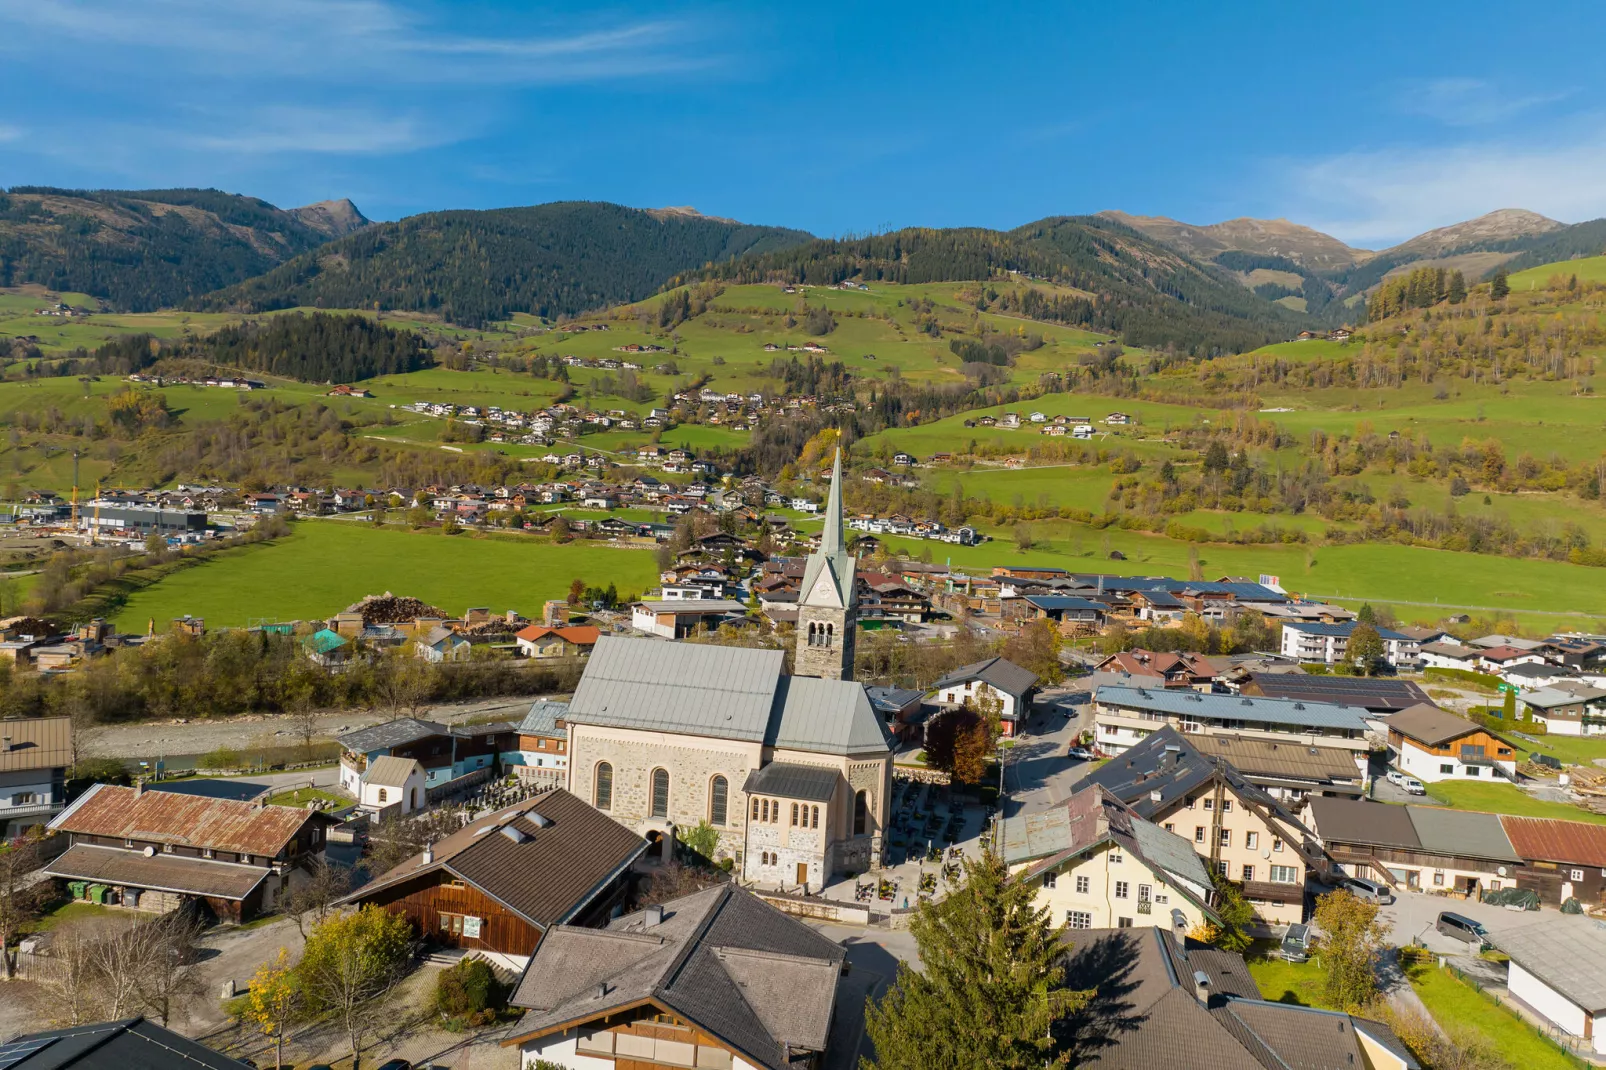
1588	269
325	565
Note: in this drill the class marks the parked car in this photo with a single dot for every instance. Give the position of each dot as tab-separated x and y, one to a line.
1413	786
1081	754
1295	946
1460	927
1394	776
1369	890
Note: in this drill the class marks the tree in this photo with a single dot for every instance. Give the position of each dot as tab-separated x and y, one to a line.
1457	287
560	530
1215	458
1500	285
21	897
1366	614
1351	936
702	839
315	897
992	988
577	588
1023	537
275	1002
155	543
1365	649
1235	913
350	965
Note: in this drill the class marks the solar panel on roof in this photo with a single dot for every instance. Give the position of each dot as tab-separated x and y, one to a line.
14	1053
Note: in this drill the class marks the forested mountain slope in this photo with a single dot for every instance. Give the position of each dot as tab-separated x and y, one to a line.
472	267
139	250
1131	286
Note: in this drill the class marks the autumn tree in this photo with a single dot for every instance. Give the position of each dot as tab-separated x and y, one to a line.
275	1002
350	964
314	898
992	987
1365	650
1350	937
21	896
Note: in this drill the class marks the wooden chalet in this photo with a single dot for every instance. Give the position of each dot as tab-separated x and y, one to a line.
499	883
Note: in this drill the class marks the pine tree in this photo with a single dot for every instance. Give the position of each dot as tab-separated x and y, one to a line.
1499	287
1458	287
992	987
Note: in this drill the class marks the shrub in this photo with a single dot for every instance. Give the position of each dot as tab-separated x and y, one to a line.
469	993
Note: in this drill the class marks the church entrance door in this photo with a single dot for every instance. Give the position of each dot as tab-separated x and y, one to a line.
802	874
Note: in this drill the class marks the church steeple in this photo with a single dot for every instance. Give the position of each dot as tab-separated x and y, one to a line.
831	537
827	615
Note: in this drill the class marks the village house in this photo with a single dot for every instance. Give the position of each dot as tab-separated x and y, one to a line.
1096	864
1562	859
542	744
498	884
546	641
35	754
1432	744
1123	716
158	851
1566	709
1162	1000
445	753
995	679
1373	694
441	644
716	979
1240	830
1555	972
1329	643
391	787
1167	669
678	619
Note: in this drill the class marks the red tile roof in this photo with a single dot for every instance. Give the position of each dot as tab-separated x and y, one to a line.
1550	840
189	820
578	634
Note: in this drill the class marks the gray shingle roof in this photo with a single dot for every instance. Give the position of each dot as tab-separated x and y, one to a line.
391	734
1428	724
1461	832
723	692
128	1044
1006	676
1567	954
1185	703
543	718
1361	821
725	961
791	781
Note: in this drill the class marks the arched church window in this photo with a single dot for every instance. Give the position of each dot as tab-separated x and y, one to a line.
717	791
660	793
603	790
861	813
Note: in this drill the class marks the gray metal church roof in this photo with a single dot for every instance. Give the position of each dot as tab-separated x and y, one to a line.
722	692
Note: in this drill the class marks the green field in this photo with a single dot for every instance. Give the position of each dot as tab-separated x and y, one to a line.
1588	269
1503	798
324	566
1286	982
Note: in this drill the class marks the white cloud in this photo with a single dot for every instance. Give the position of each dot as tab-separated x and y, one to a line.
317	130
1470	101
346	40
1385	196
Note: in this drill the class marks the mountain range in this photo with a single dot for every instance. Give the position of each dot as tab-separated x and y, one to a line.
1152	280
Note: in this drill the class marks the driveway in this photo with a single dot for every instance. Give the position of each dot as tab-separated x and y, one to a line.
1037	772
1412	916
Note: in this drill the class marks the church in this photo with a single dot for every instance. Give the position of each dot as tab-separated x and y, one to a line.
793	771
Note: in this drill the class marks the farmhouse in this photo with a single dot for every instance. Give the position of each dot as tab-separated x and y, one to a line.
1420	848
994	679
159	850
499	883
543	641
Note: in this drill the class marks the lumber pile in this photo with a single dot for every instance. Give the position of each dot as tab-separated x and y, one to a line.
388	608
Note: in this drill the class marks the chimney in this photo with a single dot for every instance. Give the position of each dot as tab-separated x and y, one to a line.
5	743
1201	986
429	854
139	787
653	915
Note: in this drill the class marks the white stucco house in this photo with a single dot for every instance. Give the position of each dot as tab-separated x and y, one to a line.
1558	971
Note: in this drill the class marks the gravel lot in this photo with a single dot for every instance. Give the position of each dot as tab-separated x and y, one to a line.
256	730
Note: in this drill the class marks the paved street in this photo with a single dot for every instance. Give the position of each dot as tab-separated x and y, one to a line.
1412	915
1037	772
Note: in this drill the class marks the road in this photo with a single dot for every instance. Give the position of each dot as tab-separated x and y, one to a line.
1037	772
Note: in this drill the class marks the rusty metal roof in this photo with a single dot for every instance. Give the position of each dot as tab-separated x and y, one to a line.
1550	840
35	743
189	820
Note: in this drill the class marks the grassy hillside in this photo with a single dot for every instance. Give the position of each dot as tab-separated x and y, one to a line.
139	250
1585	269
476	267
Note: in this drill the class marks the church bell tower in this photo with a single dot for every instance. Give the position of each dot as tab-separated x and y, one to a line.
827	609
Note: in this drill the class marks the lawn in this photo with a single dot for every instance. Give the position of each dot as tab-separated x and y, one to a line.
1287	982
324	566
302	796
1572	750
1588	269
1460	1008
1505	799
74	910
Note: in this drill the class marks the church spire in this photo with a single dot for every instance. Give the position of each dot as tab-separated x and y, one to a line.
831	537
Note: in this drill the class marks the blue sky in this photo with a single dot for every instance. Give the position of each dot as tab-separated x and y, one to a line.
1372	122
